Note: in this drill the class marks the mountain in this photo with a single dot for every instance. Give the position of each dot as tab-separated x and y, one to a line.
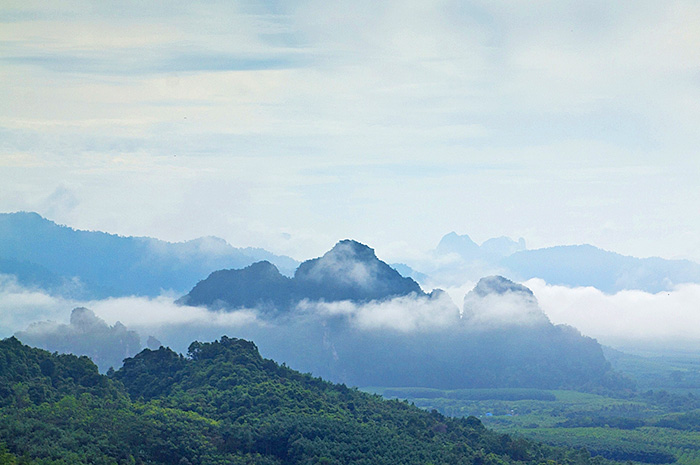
408	272
349	317
90	264
496	301
259	285
349	271
586	265
458	259
86	334
468	250
224	403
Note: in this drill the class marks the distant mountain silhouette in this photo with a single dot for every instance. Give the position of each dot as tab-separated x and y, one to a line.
467	249
91	264
349	271
586	265
459	259
408	272
86	334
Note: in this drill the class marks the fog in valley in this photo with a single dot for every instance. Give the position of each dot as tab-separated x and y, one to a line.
631	320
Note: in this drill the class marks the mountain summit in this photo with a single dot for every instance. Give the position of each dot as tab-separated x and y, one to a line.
497	302
349	271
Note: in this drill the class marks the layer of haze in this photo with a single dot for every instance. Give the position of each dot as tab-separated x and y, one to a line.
291	125
631	320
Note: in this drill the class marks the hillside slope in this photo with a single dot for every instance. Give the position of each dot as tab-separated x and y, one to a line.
224	404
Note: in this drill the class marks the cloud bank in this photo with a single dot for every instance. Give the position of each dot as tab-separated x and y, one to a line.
633	320
628	319
402	314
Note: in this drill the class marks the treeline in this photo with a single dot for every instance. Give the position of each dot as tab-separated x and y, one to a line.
224	404
471	394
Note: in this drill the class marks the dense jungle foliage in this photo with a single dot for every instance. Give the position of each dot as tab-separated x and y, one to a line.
224	403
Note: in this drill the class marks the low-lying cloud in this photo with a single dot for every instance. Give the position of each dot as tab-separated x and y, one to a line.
148	313
403	314
495	311
20	306
628	319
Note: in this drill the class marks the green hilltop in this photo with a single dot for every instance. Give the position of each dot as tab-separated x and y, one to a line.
224	403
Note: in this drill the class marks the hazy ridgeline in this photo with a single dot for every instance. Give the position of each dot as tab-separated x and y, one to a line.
349	317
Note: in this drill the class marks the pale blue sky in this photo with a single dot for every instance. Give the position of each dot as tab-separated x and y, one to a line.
291	125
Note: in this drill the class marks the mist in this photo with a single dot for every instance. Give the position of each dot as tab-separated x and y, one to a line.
628	320
21	306
408	340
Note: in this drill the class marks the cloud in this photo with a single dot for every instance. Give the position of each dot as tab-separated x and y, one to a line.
86	334
484	97
20	306
627	319
145	314
405	314
495	311
61	202
632	320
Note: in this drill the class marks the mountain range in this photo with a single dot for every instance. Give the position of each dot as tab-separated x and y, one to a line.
79	264
91	264
350	317
458	258
349	271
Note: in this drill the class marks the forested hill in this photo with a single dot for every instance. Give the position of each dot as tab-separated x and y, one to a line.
224	403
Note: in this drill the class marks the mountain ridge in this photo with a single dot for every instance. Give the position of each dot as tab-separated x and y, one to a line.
349	271
42	253
224	403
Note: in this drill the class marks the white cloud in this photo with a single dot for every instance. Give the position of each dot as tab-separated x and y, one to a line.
20	307
632	320
502	310
403	314
146	314
627	319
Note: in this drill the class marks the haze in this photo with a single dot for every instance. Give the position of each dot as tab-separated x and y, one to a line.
292	125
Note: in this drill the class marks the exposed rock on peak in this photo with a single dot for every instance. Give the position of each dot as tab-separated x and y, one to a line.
351	271
350	249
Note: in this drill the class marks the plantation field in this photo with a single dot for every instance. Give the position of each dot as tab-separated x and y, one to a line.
650	427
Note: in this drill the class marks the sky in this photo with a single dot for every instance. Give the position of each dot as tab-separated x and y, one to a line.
292	125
